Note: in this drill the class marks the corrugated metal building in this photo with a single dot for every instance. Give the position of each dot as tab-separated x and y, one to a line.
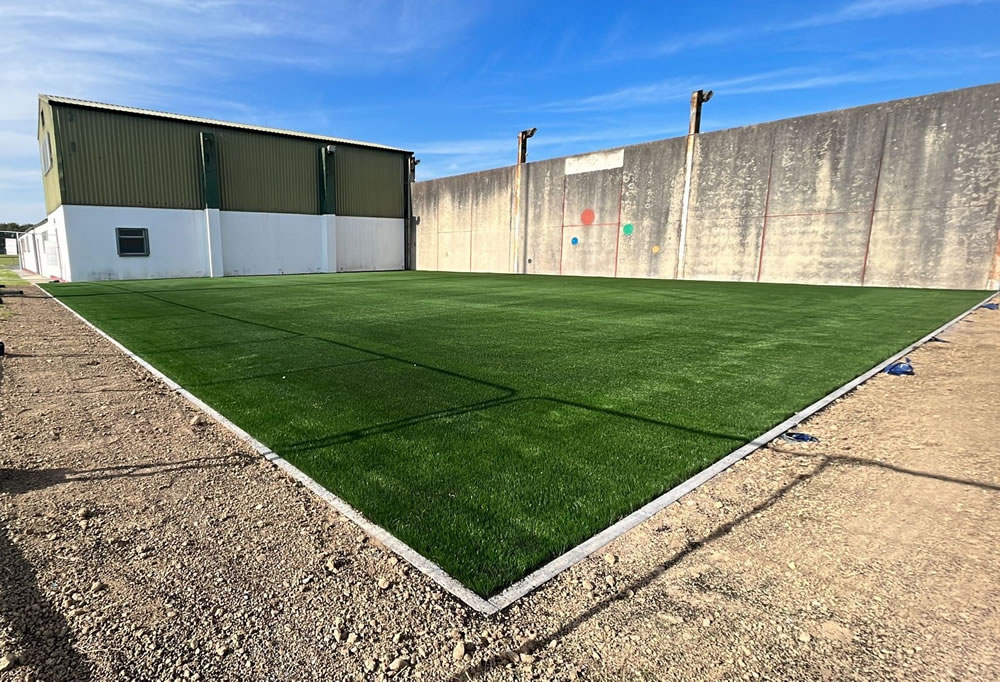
132	193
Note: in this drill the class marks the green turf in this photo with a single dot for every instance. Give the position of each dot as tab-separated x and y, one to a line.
7	265
494	421
8	278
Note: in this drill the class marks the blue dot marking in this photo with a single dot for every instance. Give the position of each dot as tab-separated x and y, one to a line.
574	241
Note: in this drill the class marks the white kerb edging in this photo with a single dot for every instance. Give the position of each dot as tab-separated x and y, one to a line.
562	562
421	563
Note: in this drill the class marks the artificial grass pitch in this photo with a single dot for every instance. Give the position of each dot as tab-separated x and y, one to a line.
493	422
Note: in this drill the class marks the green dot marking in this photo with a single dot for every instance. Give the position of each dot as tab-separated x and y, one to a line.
628	229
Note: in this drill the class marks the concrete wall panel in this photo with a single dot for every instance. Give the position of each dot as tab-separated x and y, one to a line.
938	206
816	248
651	203
454	254
490	251
593	254
545	184
955	253
823	178
427	250
726	208
825	163
426	199
593	205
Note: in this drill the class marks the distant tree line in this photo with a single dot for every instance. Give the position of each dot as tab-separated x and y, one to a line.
10	227
14	227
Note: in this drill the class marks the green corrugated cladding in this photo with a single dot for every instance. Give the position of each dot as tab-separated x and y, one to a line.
50	181
111	158
369	182
266	173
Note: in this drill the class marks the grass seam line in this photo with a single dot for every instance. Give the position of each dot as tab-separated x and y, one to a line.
611	533
417	560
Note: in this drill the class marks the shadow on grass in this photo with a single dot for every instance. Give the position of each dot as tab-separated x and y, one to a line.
826	461
455	375
395	425
511	394
282	373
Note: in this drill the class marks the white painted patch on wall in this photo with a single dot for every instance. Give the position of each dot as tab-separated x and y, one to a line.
271	243
204	243
595	162
365	244
178	245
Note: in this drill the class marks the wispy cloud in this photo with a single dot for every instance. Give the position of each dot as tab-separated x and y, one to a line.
866	10
173	55
660	91
779	80
860	10
450	157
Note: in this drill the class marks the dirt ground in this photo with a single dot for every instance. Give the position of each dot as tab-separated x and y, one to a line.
136	544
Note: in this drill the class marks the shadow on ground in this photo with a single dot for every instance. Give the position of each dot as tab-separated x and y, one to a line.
822	461
17	481
38	634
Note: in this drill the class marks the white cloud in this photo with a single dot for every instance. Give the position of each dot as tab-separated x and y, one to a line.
866	10
860	10
660	91
173	55
452	157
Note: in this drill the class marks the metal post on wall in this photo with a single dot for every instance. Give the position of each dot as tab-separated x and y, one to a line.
522	144
698	98
411	221
522	158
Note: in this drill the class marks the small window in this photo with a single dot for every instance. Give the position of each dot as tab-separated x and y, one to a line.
132	241
46	154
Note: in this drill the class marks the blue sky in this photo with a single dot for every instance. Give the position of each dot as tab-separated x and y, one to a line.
455	80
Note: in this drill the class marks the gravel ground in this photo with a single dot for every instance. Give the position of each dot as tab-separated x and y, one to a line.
139	541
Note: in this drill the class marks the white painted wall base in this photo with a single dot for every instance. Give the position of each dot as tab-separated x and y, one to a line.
177	243
78	243
45	249
370	244
271	243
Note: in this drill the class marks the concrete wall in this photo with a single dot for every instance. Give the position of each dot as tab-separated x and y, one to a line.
903	193
78	243
476	220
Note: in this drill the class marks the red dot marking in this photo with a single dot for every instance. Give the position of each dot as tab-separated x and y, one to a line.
587	217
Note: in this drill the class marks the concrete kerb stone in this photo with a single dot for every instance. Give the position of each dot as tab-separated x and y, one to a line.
561	563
